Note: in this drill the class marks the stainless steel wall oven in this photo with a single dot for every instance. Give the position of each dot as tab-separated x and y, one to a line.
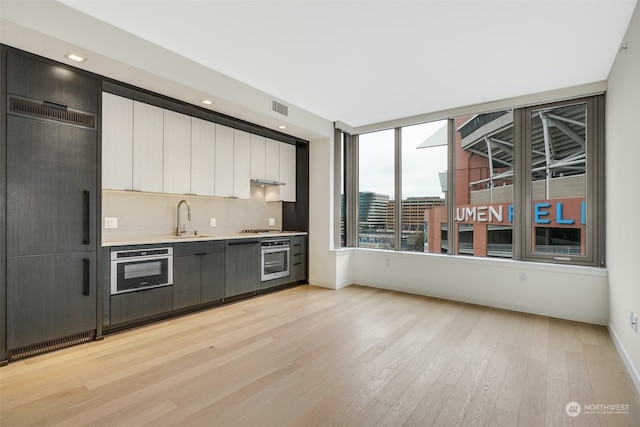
135	269
275	258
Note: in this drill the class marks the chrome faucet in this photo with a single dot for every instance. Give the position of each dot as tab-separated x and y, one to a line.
181	228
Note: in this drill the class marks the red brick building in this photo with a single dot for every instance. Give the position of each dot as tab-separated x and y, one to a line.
483	194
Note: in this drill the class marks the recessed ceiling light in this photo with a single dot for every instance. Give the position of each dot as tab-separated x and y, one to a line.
207	102
282	127
75	57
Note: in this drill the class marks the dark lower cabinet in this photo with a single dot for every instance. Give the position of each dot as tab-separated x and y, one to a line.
133	306
205	272
187	281
198	273
213	275
198	278
242	267
50	297
298	259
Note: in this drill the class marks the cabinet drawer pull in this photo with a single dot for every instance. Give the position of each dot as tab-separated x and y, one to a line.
297	263
250	242
200	254
87	218
86	289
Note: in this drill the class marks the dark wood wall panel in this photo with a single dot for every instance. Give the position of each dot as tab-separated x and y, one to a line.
3	208
44	81
295	216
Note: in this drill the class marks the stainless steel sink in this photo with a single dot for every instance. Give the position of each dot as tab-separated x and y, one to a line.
192	236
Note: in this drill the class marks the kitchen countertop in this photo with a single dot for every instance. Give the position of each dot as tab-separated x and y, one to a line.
149	240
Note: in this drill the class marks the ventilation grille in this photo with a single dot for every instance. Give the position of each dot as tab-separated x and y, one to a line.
44	347
279	107
44	110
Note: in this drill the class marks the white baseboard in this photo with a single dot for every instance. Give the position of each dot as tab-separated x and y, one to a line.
625	358
524	308
321	284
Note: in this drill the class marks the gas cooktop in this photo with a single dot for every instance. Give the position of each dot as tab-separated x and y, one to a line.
260	231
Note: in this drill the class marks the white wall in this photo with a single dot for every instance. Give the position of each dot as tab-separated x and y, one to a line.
622	199
567	292
322	264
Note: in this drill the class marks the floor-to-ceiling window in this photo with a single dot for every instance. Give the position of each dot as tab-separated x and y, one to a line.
423	200
376	193
563	147
484	172
523	183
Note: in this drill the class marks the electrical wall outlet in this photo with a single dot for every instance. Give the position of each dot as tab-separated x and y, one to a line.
272	221
213	222
523	277
110	222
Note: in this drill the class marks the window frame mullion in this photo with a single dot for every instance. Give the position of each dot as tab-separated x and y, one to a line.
450	197
397	206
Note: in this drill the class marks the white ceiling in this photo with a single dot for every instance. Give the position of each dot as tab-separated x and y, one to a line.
362	62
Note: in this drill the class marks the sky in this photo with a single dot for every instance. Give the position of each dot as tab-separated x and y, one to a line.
420	167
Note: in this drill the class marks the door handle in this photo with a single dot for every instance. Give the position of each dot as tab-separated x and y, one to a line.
86	289
247	242
87	218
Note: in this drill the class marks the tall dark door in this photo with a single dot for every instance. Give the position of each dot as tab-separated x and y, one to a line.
51	237
51	187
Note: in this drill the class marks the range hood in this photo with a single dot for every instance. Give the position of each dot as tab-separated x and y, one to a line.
263	182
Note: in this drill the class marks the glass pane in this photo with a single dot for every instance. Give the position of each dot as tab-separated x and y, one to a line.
424	159
376	188
558	190
142	269
275	262
484	184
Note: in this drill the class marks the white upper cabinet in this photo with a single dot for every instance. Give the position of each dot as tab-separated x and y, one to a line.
288	172
272	172
257	157
224	161
177	153
203	136
241	164
117	142
272	160
148	150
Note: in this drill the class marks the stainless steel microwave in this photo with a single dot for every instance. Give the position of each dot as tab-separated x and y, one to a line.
134	269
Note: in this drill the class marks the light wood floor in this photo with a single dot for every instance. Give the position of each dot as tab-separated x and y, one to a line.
309	356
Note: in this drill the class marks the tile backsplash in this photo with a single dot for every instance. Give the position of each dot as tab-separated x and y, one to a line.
154	214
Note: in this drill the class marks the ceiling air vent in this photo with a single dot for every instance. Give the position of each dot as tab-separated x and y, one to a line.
279	107
50	111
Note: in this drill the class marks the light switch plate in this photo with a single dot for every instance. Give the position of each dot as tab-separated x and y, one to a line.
213	222
272	221
110	222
